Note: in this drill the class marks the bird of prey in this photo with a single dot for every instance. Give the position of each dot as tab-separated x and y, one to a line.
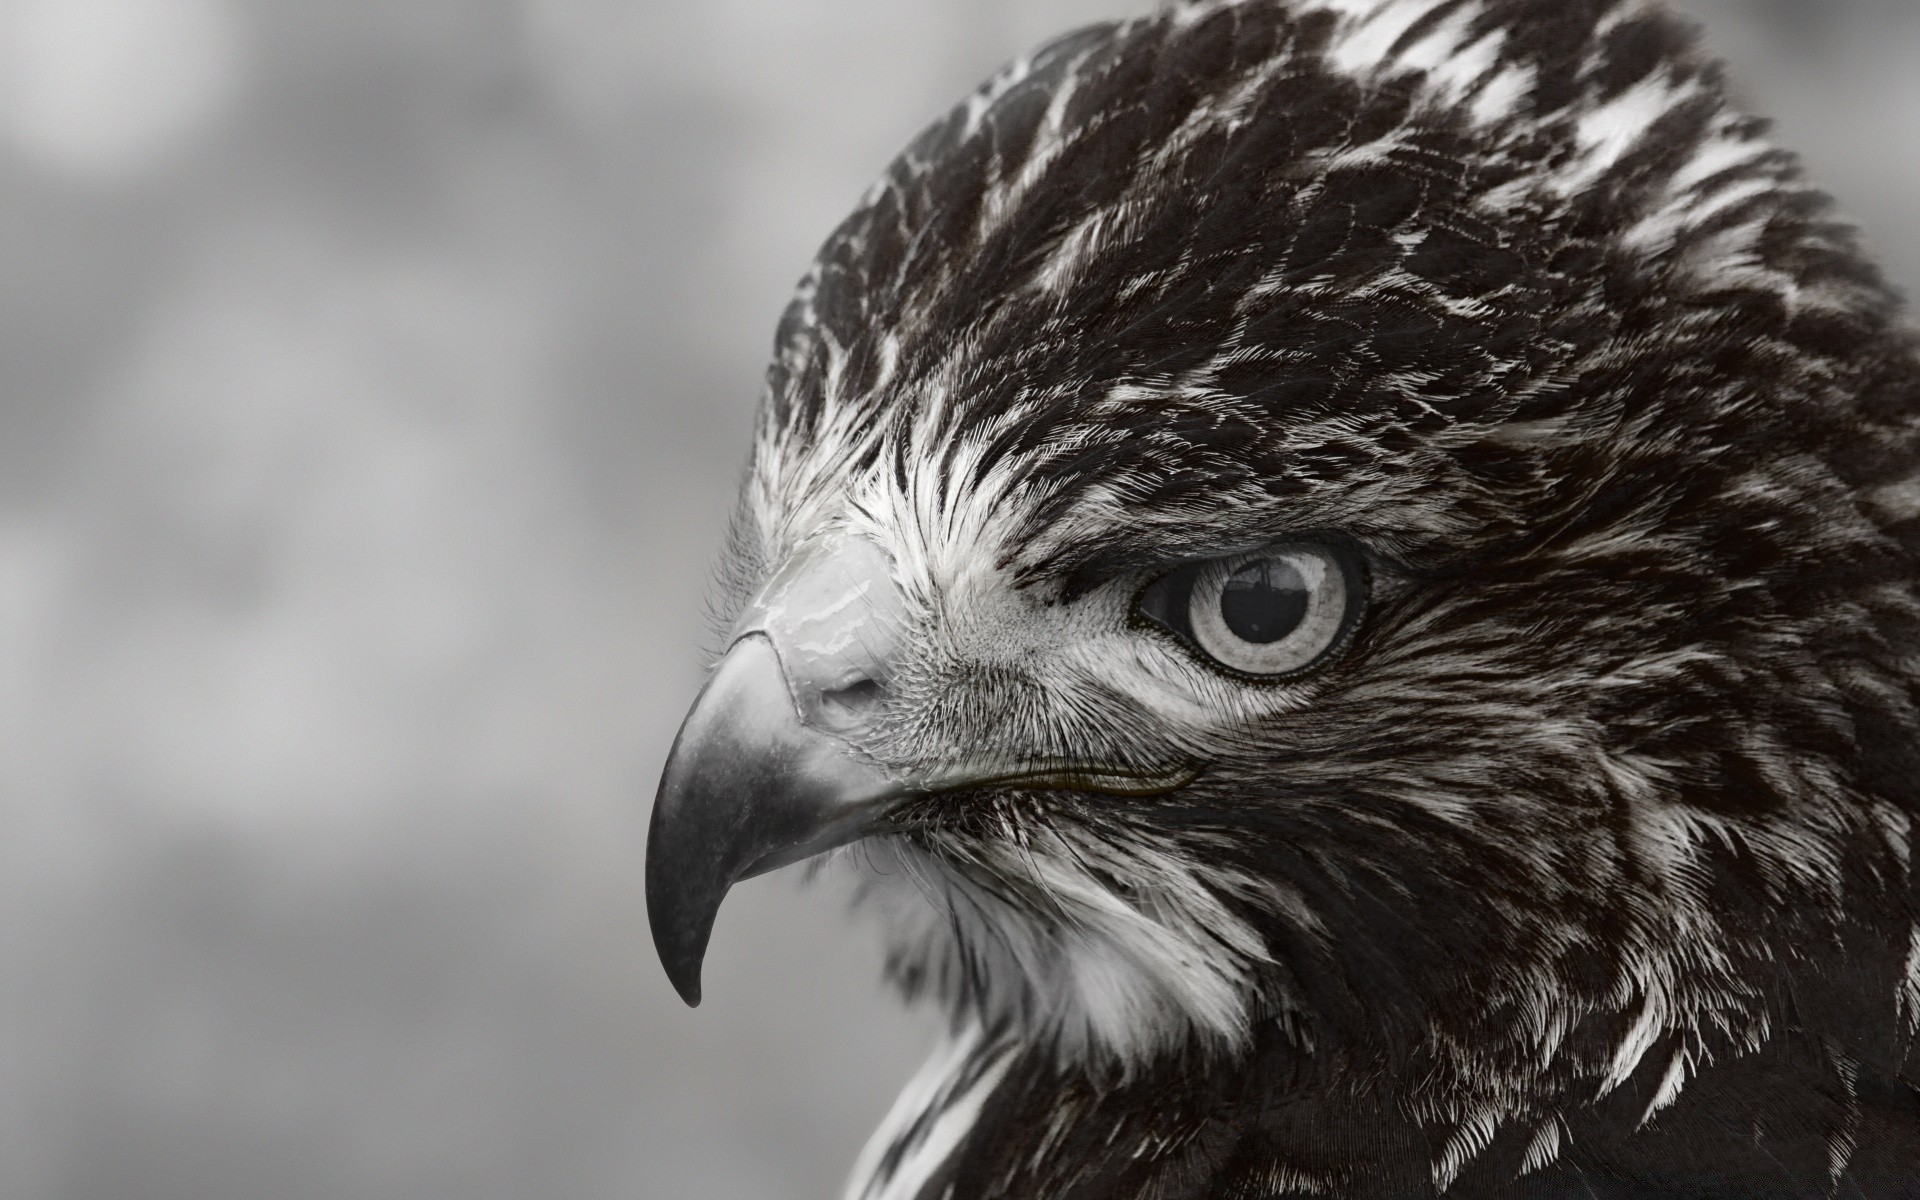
1345	573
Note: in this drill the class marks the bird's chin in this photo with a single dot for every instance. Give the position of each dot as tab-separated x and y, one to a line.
1034	939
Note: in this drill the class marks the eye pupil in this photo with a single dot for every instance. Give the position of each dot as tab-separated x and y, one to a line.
1264	601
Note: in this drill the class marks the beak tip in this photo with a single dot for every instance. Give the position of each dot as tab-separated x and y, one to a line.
682	958
680	931
688	985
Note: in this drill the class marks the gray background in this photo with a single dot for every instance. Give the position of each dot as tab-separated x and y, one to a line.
375	374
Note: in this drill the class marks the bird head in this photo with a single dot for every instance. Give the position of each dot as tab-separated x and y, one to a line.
1374	520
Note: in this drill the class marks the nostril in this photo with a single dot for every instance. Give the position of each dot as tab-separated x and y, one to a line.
849	705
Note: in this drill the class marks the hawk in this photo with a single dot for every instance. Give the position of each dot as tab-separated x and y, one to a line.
1345	573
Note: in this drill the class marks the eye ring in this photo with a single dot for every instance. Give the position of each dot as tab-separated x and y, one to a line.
1265	616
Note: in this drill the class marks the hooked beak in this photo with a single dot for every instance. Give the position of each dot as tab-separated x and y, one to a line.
768	768
747	788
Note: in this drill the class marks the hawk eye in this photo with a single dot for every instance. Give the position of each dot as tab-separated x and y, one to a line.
1272	613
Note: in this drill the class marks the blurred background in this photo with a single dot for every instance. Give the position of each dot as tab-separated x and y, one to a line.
374	378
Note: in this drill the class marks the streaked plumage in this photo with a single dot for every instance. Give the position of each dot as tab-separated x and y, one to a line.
1583	867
